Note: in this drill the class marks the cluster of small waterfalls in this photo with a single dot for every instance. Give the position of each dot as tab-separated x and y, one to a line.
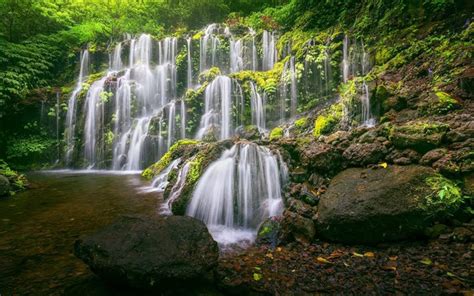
137	110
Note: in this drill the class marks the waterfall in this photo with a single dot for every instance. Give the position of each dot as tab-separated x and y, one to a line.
57	126
270	55
254	51
116	59
122	118
183	119
257	104
160	182
218	106
294	94
345	59
208	39
177	189
171	123
236	58
239	190
288	77
71	108
190	65
139	134
93	123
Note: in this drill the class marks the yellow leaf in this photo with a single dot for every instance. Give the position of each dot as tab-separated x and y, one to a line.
393	258
426	261
322	260
278	249
369	254
383	165
357	254
269	255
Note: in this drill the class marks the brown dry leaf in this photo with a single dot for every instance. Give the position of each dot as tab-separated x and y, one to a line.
393	258
269	255
336	254
322	260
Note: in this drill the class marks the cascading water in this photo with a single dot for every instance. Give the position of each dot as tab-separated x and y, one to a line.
177	189
71	108
190	64
208	40
93	127
356	63
217	116
238	191
257	104
270	54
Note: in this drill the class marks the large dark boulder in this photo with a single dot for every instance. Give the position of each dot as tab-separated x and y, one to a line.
4	186
151	253
375	205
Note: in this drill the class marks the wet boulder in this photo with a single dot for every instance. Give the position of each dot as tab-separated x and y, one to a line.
418	135
4	186
375	205
294	227
150	253
321	156
366	153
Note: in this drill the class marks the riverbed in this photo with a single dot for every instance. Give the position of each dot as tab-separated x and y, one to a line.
39	227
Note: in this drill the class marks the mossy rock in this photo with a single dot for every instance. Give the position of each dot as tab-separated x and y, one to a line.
209	75
421	136
199	161
386	204
438	103
328	120
276	134
179	149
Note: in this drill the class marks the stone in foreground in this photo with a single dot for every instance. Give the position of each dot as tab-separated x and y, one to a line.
150	253
375	205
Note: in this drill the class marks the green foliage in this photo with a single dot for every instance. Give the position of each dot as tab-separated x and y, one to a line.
446	197
28	148
18	181
445	103
276	133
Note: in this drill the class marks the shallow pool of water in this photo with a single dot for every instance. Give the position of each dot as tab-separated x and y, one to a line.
38	228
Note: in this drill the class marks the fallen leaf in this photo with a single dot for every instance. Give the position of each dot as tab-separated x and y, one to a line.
278	249
357	254
369	254
269	255
383	165
322	260
426	261
393	258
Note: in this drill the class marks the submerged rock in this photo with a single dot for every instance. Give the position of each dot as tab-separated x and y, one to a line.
4	186
375	205
150	253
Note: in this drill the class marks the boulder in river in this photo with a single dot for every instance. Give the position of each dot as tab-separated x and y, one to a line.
151	253
375	205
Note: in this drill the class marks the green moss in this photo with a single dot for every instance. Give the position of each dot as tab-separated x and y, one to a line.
276	133
166	159
301	123
326	122
445	103
209	75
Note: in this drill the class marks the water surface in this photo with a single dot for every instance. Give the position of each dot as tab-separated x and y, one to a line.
39	226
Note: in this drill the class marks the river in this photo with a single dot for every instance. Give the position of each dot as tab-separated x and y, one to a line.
39	226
